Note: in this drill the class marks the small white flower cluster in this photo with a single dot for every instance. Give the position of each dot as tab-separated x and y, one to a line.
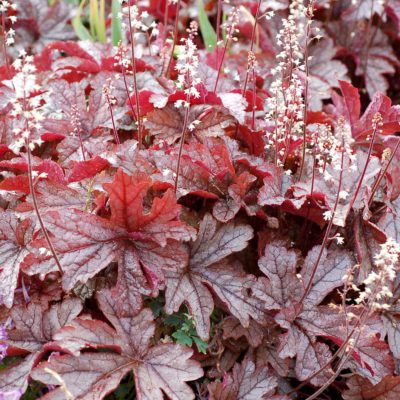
9	35
285	106
187	66
377	284
5	6
108	89
139	21
26	104
343	143
230	25
121	58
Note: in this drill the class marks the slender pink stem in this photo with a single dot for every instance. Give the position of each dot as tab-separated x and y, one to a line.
218	27
134	77
305	111
222	60
360	181
38	214
382	174
127	93
178	6
253	109
327	233
253	35
183	134
34	199
113	122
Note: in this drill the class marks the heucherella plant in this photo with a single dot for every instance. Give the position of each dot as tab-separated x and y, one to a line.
199	200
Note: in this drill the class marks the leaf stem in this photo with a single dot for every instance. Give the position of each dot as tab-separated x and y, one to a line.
37	211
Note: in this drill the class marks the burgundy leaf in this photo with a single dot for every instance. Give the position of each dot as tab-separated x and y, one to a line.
15	237
245	383
282	286
208	266
234	329
84	243
16	377
158	369
45	23
379	61
325	72
165	123
35	326
332	266
362	389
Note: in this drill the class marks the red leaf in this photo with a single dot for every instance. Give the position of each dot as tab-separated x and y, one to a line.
351	106
127	209
87	169
19	183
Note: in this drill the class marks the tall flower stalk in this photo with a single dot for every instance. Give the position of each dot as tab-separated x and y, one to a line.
188	80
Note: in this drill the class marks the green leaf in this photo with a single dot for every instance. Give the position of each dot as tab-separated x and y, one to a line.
156	305
200	344
79	28
182	338
101	26
174	320
207	30
116	29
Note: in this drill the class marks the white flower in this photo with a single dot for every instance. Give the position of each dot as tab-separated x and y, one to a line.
327	215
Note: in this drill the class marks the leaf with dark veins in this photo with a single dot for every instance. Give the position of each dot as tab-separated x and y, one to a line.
131	282
208	266
310	354
392	328
35	326
328	188
332	266
143	243
82	333
84	243
165	123
390	222
34	329
188	288
98	374
377	63
233	329
15	237
371	357
213	244
361	389
307	321
163	368
325	72
16	376
282	286
246	382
